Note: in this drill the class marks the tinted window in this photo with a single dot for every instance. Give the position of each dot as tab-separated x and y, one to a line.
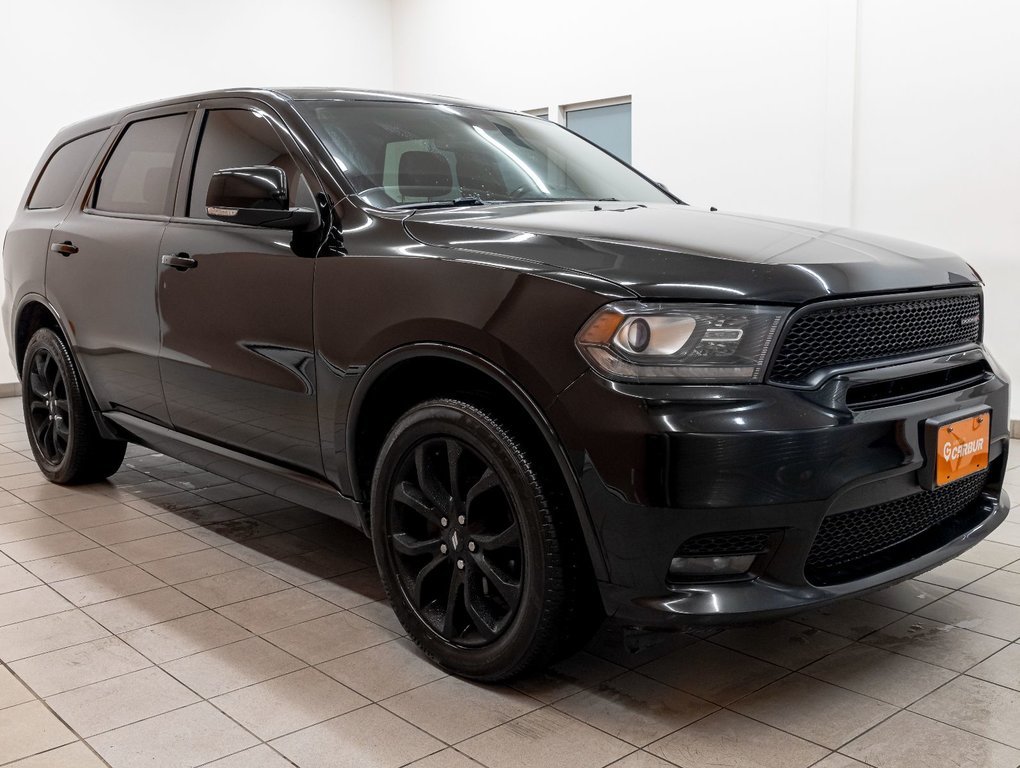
609	127
238	138
64	169
137	176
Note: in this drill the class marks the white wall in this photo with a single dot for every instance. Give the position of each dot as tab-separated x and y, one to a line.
65	60
898	116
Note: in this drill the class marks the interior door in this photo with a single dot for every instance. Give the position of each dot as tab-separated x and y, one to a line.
237	359
101	269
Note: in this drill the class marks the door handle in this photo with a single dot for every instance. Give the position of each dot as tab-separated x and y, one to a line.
65	248
179	261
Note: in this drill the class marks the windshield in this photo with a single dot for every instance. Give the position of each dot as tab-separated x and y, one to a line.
426	155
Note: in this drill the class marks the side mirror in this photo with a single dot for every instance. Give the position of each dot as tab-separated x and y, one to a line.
256	196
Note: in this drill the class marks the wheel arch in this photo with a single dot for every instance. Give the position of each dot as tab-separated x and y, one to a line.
444	370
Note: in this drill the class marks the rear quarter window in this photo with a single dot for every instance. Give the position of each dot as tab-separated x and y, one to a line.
64	170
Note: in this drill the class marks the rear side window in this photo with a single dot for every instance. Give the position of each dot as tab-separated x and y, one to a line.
63	170
137	176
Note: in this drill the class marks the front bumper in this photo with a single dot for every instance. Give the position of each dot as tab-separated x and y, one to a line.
660	465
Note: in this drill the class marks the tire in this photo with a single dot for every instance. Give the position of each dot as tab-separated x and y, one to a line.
61	428
479	568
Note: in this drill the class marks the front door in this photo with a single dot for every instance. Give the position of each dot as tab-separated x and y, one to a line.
237	358
102	275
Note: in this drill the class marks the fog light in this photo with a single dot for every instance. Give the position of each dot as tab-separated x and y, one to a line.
731	565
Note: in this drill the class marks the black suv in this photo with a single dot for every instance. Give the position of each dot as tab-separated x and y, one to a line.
546	388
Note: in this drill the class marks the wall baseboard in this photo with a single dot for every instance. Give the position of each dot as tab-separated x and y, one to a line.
1014	429
10	390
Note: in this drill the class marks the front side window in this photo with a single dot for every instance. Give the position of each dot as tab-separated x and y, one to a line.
239	138
137	176
398	154
63	170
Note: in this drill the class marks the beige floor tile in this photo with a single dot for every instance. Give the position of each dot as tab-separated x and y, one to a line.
935	642
565	678
128	530
58	671
635	708
543	738
369	737
76	755
1007	533
712	672
447	758
19	467
122	700
384	670
1002	669
350	589
15	513
785	643
136	611
277	610
380	612
836	760
883	675
12	692
172	502
188	519
726	738
99	516
312	566
47	546
261	756
907	740
453	709
108	585
230	667
907	596
289	703
30	728
330	637
158	547
232	587
75	564
980	614
45	490
183	637
850	618
30	603
47	633
194	565
641	759
13	577
242	529
814	710
23	481
992	553
267	549
1000	585
184	737
977	706
955	574
61	505
30	529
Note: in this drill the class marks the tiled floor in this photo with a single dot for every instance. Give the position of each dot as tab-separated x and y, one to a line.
171	618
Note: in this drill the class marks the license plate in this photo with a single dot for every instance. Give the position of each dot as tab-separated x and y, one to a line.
962	448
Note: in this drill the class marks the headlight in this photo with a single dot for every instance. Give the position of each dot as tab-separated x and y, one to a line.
699	343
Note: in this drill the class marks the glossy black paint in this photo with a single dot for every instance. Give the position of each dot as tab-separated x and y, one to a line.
260	359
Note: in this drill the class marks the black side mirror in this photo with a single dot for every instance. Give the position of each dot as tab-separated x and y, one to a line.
256	196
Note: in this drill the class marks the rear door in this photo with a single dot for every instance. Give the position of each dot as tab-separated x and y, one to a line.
102	277
237	355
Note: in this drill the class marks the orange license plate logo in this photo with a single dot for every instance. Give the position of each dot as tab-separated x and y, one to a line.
962	448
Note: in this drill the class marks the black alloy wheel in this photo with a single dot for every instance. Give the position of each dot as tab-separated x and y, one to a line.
480	558
456	541
61	428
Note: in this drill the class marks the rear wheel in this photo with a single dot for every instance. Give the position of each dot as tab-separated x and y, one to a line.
61	429
477	565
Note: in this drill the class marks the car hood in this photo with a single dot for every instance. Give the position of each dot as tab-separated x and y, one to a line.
682	252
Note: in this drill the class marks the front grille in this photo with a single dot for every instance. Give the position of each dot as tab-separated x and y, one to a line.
859	332
725	544
850	544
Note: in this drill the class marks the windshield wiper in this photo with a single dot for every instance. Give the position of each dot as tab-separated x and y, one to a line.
455	203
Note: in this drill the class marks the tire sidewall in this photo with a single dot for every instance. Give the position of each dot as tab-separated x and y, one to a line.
464	423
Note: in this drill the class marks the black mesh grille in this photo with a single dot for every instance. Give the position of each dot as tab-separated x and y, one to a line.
723	544
854	537
854	333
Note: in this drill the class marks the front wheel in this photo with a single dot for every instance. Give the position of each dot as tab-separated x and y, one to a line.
477	565
61	429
